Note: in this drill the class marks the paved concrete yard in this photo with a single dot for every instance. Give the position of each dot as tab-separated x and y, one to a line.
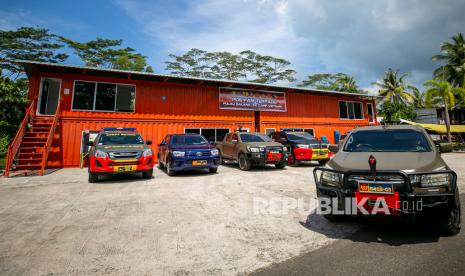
194	223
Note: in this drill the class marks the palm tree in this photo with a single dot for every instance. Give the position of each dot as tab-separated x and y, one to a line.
393	88
453	53
419	98
442	92
347	83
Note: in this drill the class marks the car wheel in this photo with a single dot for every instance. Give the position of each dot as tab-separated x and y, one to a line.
322	162
160	164
213	170
280	165
93	177
169	169
244	163
147	174
448	221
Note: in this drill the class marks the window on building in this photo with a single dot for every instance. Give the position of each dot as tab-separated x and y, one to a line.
103	96
310	131
350	110
268	131
83	96
211	134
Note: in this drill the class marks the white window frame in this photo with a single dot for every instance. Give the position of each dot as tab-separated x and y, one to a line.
361	106
95	96
39	99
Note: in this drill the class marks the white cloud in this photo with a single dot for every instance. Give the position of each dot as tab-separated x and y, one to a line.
359	37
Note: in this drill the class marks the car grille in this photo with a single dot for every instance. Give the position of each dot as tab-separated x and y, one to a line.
198	153
123	155
396	180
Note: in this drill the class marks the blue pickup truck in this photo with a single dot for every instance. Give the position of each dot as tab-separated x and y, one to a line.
182	152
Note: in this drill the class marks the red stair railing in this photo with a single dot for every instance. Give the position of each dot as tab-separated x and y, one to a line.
51	135
13	147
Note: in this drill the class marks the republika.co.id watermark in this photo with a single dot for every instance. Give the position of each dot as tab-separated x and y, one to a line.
326	206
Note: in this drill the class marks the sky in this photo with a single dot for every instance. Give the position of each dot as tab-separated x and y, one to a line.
361	38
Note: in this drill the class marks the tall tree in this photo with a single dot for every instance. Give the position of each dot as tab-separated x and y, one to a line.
247	66
453	54
108	53
394	89
442	92
336	82
28	43
418	98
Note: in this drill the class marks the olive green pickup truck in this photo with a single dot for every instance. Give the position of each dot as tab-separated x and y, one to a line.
391	171
249	149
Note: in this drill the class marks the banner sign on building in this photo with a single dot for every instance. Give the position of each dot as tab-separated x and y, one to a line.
239	99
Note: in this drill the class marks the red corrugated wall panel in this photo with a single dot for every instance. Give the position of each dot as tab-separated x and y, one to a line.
163	108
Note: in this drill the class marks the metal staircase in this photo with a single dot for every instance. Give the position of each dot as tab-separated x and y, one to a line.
28	152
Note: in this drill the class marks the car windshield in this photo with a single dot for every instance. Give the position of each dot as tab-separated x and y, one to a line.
254	137
397	140
120	139
300	136
188	140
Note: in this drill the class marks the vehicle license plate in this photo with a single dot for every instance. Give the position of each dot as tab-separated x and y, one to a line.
199	162
375	187
125	168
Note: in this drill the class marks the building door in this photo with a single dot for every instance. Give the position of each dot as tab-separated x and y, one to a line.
49	96
257	121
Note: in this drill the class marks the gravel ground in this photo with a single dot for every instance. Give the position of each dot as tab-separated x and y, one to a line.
194	223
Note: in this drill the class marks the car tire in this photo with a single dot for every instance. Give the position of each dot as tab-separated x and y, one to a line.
448	221
322	162
93	177
160	164
280	165
244	163
147	174
293	162
169	170
212	170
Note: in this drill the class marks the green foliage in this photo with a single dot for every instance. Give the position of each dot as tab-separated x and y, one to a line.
28	43
418	98
335	82
246	66
108	53
397	110
440	93
453	54
394	89
13	100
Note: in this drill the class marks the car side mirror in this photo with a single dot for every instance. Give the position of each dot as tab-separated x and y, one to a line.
444	147
148	142
234	141
90	143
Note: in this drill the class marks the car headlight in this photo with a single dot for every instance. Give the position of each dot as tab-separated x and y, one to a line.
147	152
284	148
331	178
253	149
302	146
178	153
215	152
262	149
100	154
440	179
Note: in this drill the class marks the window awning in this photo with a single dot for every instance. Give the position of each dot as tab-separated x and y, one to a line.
441	129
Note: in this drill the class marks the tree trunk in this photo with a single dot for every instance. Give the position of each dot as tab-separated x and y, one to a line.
447	119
